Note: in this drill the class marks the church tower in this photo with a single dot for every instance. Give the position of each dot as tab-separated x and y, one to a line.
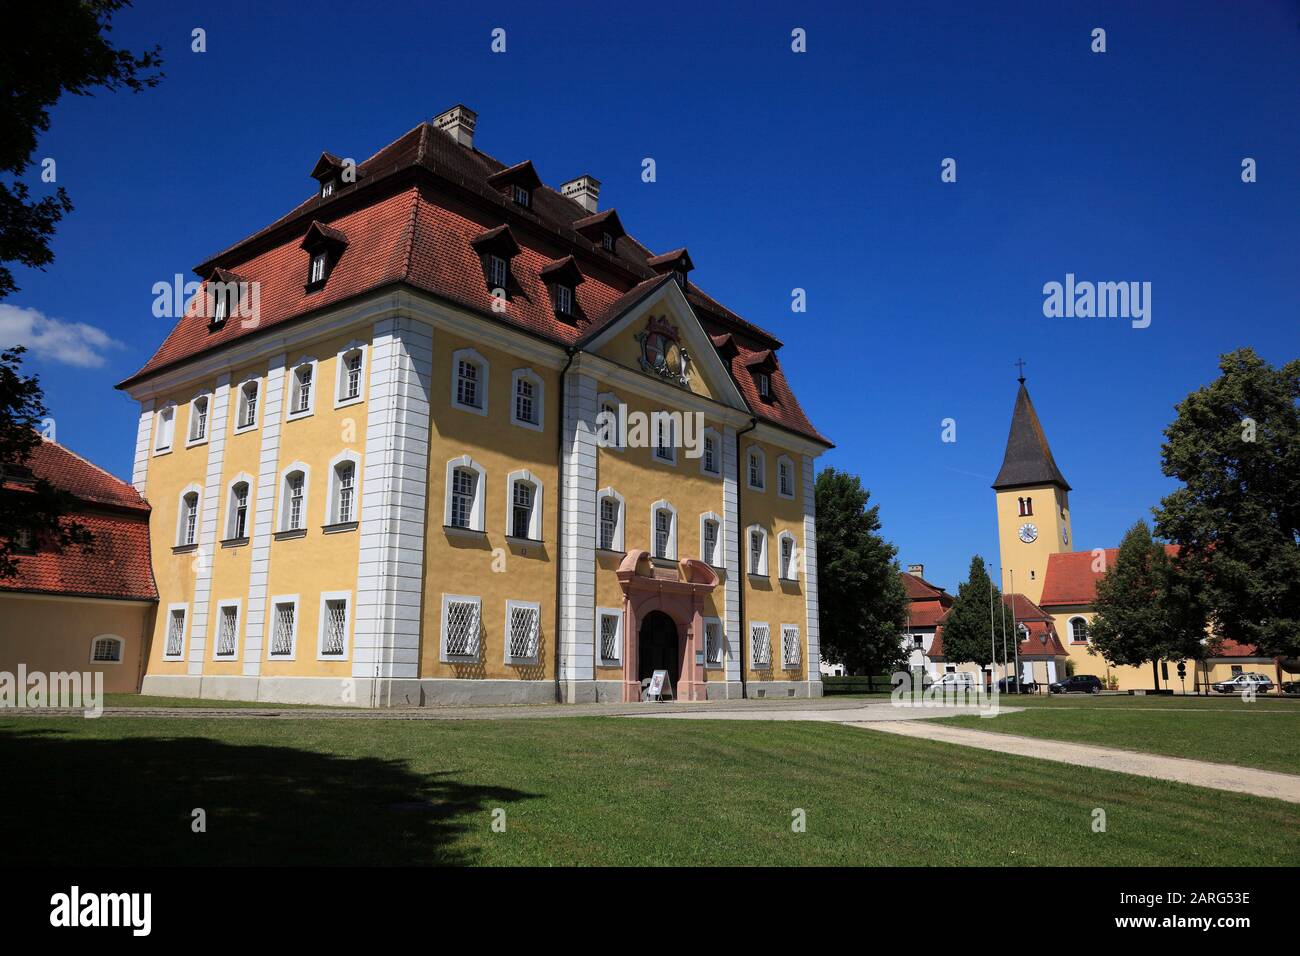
1033	500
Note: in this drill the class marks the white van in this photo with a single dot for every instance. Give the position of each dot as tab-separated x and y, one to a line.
956	679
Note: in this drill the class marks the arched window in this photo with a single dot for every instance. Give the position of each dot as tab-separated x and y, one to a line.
711	539
609	530
106	649
247	406
349	388
469	381
237	512
756	469
302	388
344	499
527	394
607	422
524	505
465	494
663	530
198	419
787	569
187	525
785	477
711	454
1026	506
1078	630
757	541
293	498
164	429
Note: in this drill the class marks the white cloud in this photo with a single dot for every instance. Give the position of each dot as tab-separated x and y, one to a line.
72	343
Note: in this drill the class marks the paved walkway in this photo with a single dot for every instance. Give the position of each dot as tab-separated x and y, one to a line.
1216	776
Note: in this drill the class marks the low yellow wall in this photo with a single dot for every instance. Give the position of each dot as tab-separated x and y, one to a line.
52	634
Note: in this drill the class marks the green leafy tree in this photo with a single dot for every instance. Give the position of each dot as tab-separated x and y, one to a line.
1147	610
48	48
28	506
966	628
1235	446
863	605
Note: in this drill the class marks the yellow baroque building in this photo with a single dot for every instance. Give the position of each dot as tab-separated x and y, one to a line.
443	434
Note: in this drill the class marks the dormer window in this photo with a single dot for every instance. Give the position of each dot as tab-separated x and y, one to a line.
517	183
764	382
602	229
563	276
563	300
497	271
317	275
496	248
325	246
607	242
676	263
327	189
522	196
219	310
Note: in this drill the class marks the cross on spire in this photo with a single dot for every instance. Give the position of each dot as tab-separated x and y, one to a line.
1020	364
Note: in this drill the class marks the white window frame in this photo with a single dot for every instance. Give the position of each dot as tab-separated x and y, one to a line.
609	398
711	433
319	257
539	398
750	453
619	543
662	505
788	462
282	508
601	659
536	657
484	370
229	526
786	663
762	571
190	438
535	518
237	604
241	405
181	515
443	656
121	649
478	508
346	598
492	260
172	608
354	347
714	559
292	412
564	296
722	643
674	425
164	425
1087	635
794	557
273	620
754	663
332	495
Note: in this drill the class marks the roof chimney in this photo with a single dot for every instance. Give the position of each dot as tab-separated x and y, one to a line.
459	123
916	570
585	190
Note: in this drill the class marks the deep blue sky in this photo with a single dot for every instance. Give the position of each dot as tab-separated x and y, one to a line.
778	170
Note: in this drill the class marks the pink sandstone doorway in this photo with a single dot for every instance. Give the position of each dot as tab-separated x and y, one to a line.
663	604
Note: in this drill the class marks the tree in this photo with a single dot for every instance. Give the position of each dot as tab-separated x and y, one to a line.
1235	446
863	605
31	506
966	628
1147	610
48	48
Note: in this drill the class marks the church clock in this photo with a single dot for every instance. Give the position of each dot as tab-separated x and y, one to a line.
1028	533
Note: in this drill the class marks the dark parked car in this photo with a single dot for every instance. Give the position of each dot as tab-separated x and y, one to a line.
1008	685
1078	684
1291	687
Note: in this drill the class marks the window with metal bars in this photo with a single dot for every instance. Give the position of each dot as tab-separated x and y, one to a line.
335	638
609	628
352	383
467	376
663	532
297	482
713	643
176	633
525	401
525	626
226	631
461	628
283	635
106	650
463	485
608	523
522	510
346	473
789	645
760	645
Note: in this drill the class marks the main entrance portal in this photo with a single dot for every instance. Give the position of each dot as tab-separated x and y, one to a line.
658	647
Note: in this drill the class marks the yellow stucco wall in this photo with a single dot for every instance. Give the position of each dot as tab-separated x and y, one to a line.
1051	516
54	634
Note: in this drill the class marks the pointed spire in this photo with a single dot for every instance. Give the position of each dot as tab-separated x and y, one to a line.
1028	460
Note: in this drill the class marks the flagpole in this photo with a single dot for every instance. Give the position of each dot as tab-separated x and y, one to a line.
1015	635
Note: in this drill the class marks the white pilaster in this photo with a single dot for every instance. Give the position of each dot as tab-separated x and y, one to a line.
814	649
394	494
578	535
264	515
731	552
143	431
208	524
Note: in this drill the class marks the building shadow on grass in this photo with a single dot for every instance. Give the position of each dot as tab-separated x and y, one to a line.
71	800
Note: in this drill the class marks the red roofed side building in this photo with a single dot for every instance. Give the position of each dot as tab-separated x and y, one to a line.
72	610
445	433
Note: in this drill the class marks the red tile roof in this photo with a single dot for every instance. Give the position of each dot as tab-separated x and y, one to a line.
1033	617
1230	648
929	604
1070	578
411	216
119	564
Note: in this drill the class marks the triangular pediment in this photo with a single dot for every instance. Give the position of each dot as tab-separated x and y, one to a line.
660	322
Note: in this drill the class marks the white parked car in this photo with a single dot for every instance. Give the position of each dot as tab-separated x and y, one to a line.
957	679
1241	683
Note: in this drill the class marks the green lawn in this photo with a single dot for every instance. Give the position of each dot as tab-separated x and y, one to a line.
142	700
590	790
1264	734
